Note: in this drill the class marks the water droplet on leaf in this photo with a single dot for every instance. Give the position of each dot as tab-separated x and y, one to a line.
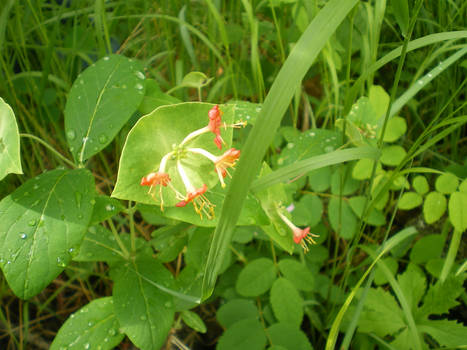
23	235
103	138
70	134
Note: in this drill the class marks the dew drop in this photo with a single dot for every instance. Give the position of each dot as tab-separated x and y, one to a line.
80	216
106	58
90	324
23	236
32	222
168	304
1	260
70	134
106	339
92	201
8	262
71	250
92	229
140	75
143	318
420	82
112	331
430	75
139	86
79	97
87	346
328	149
109	207
290	145
103	138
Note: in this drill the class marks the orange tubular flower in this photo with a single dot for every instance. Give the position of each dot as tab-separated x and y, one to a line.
153	179
227	160
300	236
215	121
200	202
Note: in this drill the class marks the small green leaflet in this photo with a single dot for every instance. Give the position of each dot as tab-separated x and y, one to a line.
10	161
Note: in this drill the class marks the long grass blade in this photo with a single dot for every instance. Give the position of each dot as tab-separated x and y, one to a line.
289	77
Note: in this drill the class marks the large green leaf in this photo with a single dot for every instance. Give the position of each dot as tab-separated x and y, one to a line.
286	302
43	224
94	326
247	334
256	278
154	136
10	161
287	336
100	102
145	311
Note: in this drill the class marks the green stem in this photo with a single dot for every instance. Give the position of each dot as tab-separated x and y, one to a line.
50	148
117	238
132	227
452	252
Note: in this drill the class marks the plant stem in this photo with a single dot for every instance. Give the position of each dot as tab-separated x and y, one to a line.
51	149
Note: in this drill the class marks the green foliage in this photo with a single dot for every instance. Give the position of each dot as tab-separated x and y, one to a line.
257	277
10	161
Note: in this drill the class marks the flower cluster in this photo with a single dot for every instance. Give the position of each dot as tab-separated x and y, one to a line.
221	163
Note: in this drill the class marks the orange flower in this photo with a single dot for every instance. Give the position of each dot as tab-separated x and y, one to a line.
214	125
200	202
300	236
153	179
192	195
227	160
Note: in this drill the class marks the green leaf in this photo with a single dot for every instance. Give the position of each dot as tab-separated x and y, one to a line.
350	185
346	222
246	111
105	208
374	217
446	183
410	200
401	12
463	186
93	326
413	284
169	241
236	310
396	127
307	211
445	332
153	137
441	297
382	314
458	210
320	179
256	278
380	277
379	100
363	169
196	80
193	321
297	273
10	161
420	184
286	302
427	248
287	336
154	97
392	155
143	308
99	245
362	122
43	224
247	334
434	207
100	102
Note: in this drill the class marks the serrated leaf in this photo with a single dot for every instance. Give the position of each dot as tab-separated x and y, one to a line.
297	273
420	184
413	285
144	310
288	337
236	310
442	296
446	183
10	161
396	127
434	207
458	210
105	208
193	321
43	224
153	137
286	302
100	102
410	200
347	225
392	155
246	334
256	278
445	332
93	326
382	314
427	248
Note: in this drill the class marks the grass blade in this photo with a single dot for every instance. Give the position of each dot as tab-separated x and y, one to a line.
289	77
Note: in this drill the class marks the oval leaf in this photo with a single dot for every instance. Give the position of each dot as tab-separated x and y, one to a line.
94	326
446	183
43	224
434	207
144	310
246	335
100	102
286	302
256	278
458	210
10	161
410	200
